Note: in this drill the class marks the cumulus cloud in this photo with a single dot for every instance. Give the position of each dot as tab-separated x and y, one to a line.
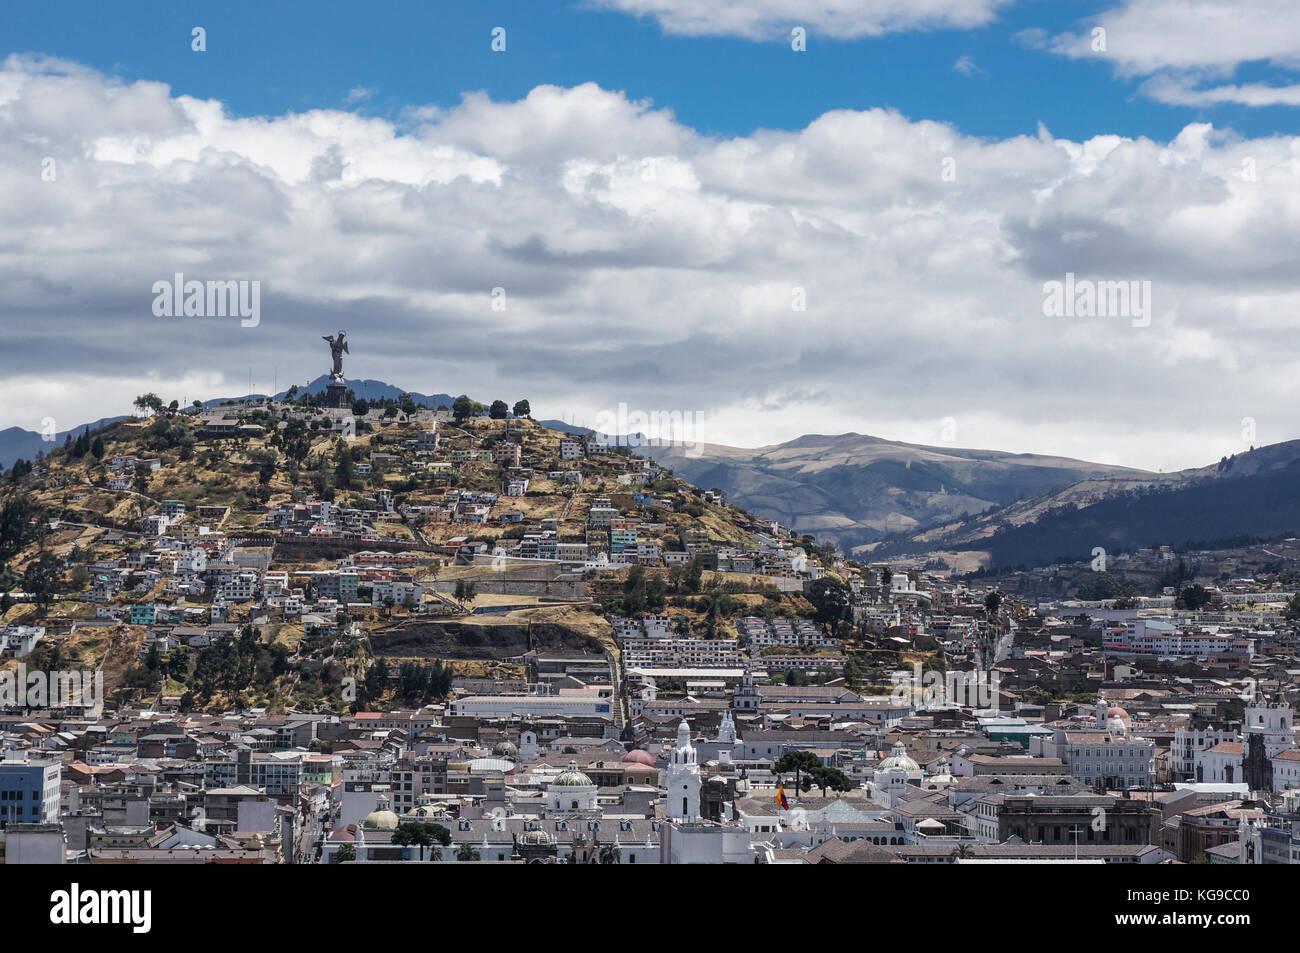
1187	48
868	272
841	19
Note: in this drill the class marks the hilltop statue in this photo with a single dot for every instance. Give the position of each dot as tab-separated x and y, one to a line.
338	347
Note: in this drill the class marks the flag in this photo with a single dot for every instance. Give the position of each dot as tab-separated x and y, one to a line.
781	799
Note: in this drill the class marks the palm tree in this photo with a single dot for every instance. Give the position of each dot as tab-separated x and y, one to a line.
346	854
467	853
963	852
610	854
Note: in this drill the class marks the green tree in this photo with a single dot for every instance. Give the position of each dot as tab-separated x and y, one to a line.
799	762
423	834
41	578
830	599
150	402
498	410
521	409
833	778
466	591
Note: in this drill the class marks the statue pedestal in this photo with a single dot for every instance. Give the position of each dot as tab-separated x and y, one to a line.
336	394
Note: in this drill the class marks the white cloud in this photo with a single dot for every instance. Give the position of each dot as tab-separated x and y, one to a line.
1187	48
841	19
646	263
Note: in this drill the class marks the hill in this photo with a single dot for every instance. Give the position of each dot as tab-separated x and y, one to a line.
467	517
1250	495
858	489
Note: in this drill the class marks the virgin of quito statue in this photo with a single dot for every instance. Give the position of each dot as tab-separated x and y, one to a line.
336	390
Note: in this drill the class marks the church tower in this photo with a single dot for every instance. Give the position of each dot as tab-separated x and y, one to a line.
682	778
1272	722
727	730
528	749
746	697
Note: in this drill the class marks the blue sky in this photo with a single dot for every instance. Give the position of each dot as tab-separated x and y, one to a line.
273	58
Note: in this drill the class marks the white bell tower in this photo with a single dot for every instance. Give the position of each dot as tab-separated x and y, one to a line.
683	778
727	730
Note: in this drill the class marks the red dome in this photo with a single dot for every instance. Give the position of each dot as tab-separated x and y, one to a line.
1116	712
638	756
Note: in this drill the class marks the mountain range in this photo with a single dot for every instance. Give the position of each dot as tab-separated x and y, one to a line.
858	490
983	508
882	498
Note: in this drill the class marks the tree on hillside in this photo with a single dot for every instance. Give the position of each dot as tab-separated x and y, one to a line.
498	410
830	598
20	524
148	402
1193	597
462	409
97	448
466	592
42	577
521	409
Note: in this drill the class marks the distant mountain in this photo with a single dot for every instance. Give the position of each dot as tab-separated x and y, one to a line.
364	389
858	489
377	390
17	443
1249	495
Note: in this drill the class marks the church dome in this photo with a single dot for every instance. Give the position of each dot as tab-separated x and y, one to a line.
506	749
380	819
1117	712
537	838
571	777
639	756
899	758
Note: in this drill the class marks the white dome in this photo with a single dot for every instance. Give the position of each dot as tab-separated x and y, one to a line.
899	758
571	777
